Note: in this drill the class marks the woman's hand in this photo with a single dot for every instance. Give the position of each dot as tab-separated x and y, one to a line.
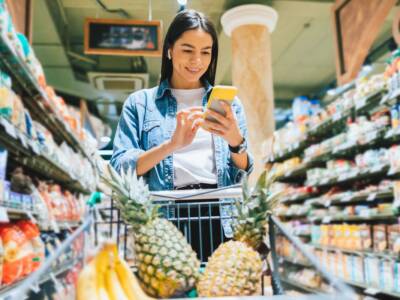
227	126
188	122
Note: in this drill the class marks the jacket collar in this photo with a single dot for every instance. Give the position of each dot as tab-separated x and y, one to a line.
164	87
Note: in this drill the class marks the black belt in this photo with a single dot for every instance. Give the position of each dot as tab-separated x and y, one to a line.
196	186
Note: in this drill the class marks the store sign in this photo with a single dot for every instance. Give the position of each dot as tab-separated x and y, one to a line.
122	37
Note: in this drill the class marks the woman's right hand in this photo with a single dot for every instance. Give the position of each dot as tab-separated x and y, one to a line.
188	122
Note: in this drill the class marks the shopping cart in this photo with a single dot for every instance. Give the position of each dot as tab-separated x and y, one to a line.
206	223
105	222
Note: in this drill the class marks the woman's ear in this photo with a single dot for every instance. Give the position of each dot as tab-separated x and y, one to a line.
169	54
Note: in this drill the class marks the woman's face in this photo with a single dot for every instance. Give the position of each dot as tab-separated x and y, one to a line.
191	55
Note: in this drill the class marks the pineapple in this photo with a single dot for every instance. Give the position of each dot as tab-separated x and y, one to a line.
166	263
235	268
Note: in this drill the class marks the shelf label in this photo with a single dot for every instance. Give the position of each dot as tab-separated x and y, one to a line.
4	215
371	291
337	116
346	198
376	168
371	197
23	140
361	103
327	219
327	203
9	129
324	181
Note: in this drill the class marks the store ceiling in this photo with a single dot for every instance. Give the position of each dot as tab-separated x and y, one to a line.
302	44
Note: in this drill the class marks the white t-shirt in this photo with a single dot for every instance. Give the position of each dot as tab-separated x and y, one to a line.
194	163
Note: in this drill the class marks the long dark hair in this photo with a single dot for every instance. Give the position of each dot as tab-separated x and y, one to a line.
184	21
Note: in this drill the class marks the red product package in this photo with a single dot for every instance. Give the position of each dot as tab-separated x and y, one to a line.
32	233
13	241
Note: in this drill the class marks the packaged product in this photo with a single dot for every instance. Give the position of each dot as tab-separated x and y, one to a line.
1	260
371	271
386	275
366	237
380	238
32	233
13	242
358	269
396	271
394	238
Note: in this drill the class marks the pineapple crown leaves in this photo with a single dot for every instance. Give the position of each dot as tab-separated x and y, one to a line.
254	209
132	196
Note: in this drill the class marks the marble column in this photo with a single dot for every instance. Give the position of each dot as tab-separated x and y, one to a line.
250	27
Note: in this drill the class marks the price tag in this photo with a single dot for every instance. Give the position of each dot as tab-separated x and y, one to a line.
365	213
23	140
371	197
376	168
337	116
361	103
346	198
324	181
326	219
288	173
371	291
4	215
10	129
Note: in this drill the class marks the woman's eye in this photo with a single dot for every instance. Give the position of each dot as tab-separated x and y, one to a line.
206	53
187	51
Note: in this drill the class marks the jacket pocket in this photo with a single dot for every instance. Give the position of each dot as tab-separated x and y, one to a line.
152	133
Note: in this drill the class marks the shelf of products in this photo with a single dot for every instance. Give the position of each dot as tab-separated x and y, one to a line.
41	99
48	169
353	219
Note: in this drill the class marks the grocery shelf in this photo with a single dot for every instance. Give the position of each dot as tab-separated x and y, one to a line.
29	154
36	100
385	255
16	211
301	287
5	291
390	98
334	123
356	174
370	101
348	198
372	291
297	198
293	262
294	149
293	216
296	174
331	219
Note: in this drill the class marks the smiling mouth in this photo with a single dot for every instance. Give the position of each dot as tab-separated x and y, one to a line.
193	70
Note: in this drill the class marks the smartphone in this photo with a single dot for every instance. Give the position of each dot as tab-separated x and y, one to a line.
218	94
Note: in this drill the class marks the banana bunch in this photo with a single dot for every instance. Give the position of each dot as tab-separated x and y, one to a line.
108	277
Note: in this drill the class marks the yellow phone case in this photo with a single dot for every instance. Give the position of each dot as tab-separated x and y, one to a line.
220	93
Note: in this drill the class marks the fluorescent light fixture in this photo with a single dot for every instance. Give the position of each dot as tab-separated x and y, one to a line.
182	2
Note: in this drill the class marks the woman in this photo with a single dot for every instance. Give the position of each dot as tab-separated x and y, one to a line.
162	133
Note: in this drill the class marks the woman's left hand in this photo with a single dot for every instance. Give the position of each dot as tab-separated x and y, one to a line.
227	126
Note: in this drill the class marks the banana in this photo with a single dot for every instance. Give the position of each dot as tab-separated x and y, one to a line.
87	283
114	288
101	265
129	281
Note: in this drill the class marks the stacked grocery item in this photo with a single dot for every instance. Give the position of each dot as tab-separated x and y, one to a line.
23	56
23	250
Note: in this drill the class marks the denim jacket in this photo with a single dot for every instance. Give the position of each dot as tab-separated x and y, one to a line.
148	119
